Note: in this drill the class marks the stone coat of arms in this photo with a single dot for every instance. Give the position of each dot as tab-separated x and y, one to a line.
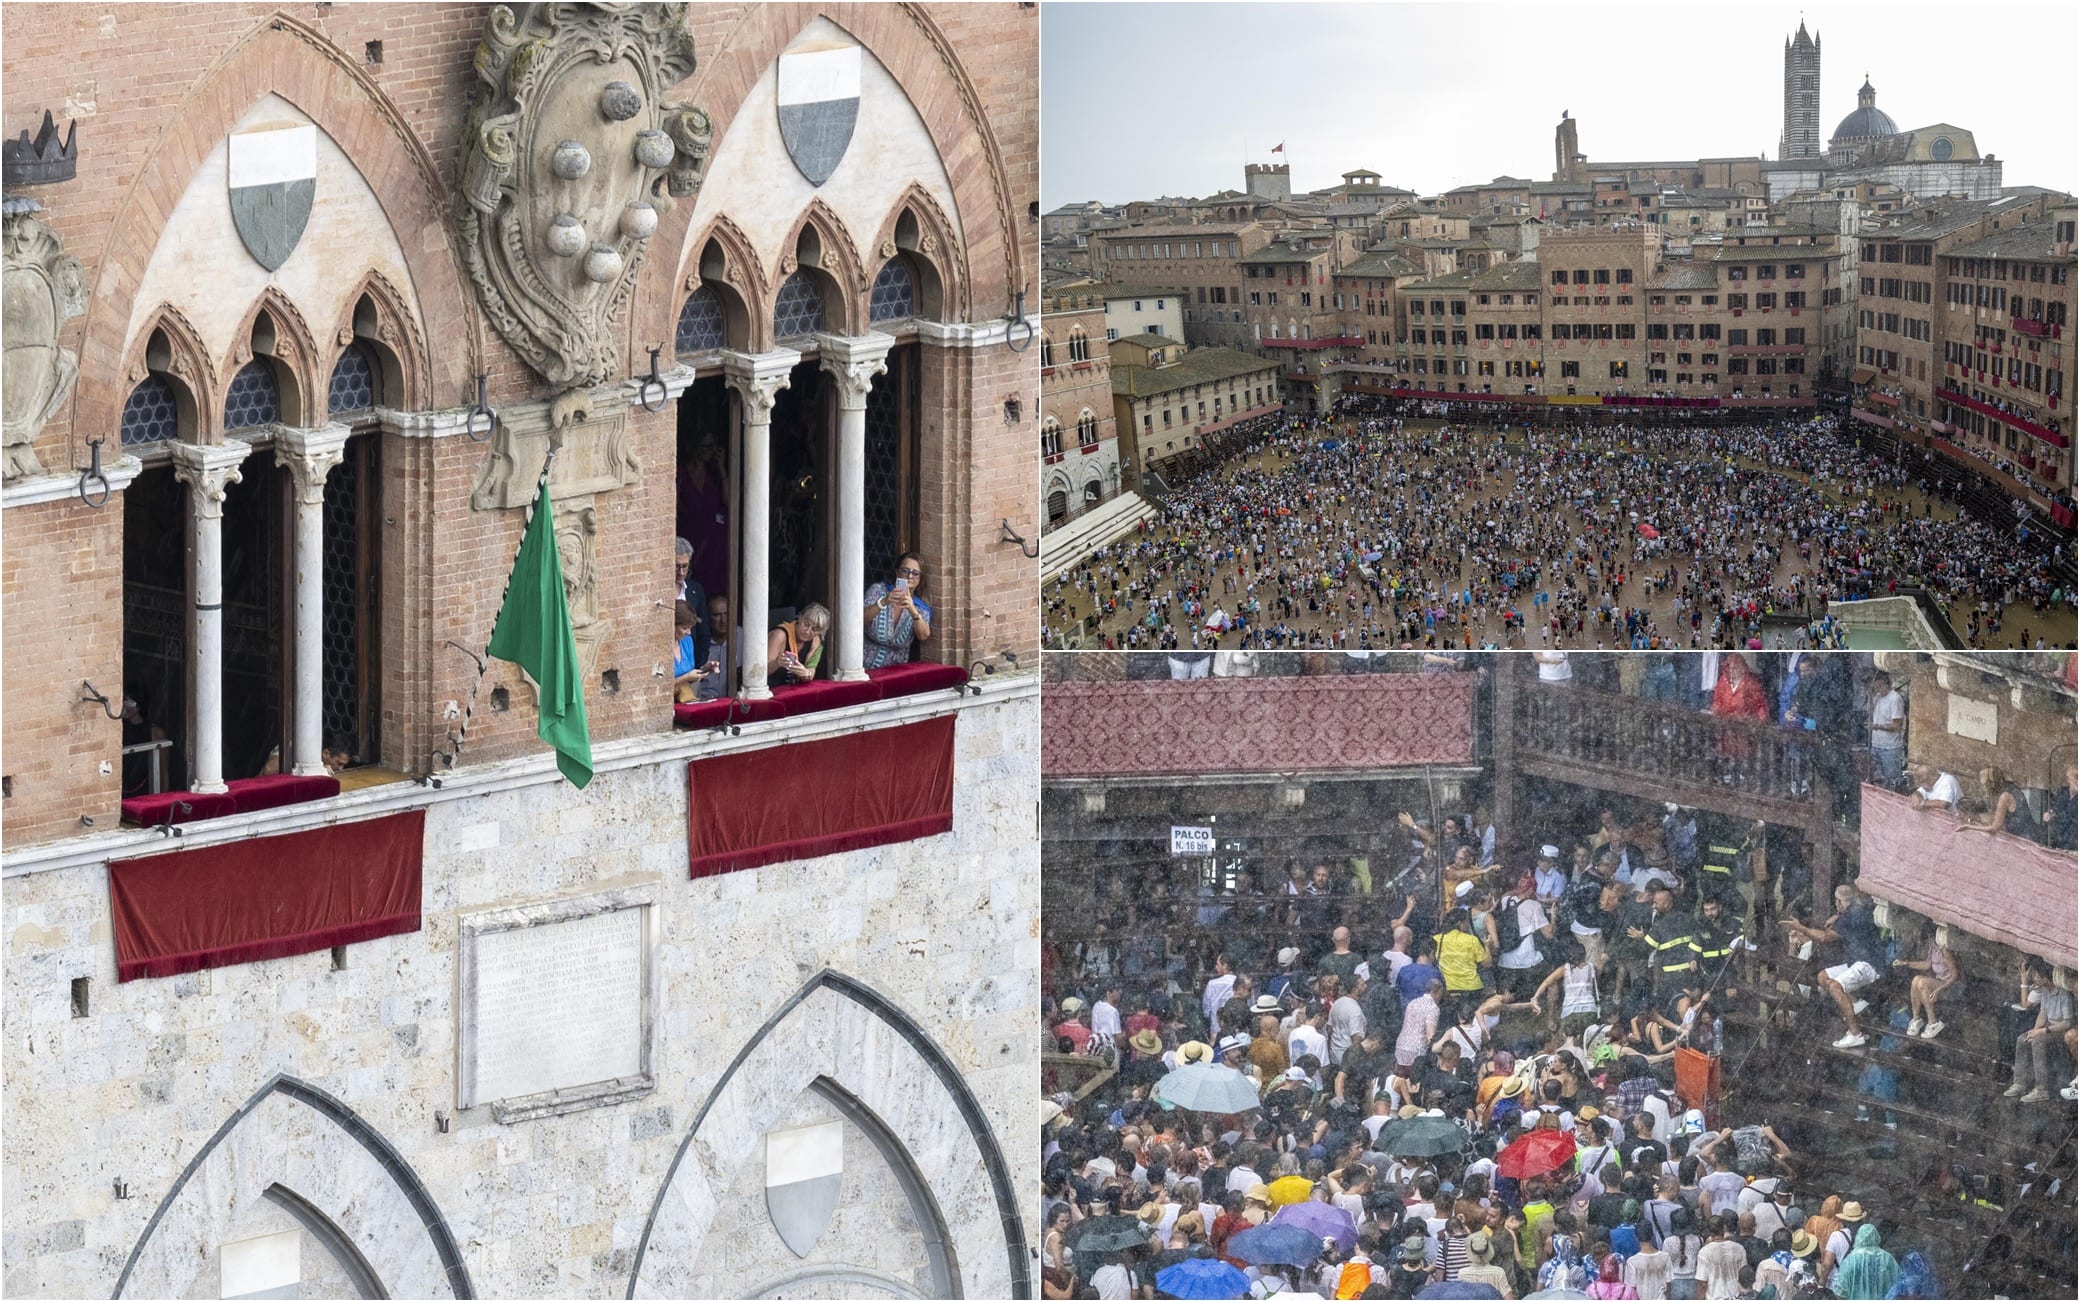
569	157
43	289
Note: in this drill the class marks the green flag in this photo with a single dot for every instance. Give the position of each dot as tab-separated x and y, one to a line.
534	632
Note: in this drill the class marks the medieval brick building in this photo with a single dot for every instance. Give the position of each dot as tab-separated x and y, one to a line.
323	976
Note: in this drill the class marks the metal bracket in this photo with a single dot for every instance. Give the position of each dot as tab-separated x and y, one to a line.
1017	318
1011	535
88	694
664	394
483	408
94	472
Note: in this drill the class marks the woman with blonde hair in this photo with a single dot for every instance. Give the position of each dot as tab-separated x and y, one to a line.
795	647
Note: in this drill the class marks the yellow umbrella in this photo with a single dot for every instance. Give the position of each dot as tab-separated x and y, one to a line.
1290	1189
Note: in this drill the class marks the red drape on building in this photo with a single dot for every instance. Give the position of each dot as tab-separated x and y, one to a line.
267	897
820	797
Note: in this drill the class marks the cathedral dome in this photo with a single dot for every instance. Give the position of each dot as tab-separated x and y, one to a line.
1868	122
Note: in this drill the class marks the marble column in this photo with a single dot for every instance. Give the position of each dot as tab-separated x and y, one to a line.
209	470
758	379
309	456
852	364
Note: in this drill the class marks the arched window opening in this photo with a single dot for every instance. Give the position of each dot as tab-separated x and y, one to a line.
894	295
151	414
356	385
254	397
702	323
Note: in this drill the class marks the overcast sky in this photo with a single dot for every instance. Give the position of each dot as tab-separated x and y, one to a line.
1142	100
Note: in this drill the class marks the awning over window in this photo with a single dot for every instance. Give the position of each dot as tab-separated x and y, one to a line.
267	897
1255	725
812	798
1996	886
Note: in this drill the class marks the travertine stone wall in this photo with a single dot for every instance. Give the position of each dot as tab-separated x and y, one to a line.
943	929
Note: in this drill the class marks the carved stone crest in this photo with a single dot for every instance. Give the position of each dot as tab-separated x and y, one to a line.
43	289
569	157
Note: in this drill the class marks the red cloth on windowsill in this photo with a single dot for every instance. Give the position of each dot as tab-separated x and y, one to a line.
155	810
811	698
273	790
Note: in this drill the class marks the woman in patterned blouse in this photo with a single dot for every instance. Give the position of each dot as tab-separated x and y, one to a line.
896	615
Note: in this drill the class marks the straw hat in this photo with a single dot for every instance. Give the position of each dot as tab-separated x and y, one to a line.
1511	1088
1852	1212
1194	1051
1480	1249
1803	1244
1146	1041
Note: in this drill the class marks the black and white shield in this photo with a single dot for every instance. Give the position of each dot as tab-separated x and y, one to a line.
274	177
819	103
805	1170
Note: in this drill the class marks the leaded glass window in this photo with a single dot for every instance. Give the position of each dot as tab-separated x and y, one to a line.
895	292
151	414
799	308
700	323
253	399
353	386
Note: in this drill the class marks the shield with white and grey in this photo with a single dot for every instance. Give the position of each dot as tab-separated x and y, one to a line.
819	104
805	1170
274	177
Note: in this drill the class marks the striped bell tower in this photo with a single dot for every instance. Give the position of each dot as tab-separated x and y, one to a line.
1801	97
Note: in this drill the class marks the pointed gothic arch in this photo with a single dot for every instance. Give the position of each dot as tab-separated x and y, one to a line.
994	251
917	229
725	261
168	344
377	315
343	1170
820	245
282	55
273	329
839	1030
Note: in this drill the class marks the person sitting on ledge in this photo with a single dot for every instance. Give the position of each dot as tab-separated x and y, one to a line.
795	647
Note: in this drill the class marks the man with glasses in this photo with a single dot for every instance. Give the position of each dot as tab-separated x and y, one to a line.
896	616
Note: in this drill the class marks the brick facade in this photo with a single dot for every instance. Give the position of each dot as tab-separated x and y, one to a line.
155	90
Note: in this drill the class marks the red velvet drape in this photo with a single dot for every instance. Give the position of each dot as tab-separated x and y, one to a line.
820	797
267	897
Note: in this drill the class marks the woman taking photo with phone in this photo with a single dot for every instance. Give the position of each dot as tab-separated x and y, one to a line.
896	616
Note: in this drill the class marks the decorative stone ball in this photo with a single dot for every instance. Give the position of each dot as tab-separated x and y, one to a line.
638	220
654	148
570	161
602	265
618	101
566	236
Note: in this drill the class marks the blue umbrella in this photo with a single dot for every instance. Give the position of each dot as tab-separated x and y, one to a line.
1458	1288
1202	1277
1276	1245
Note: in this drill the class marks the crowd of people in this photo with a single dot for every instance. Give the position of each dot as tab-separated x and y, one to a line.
1466	1070
1368	531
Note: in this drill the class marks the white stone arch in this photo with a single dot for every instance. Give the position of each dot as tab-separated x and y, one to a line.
292	1143
839	1036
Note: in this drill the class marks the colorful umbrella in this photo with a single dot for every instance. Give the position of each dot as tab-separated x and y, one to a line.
1321	1220
1457	1288
1649	531
1207	1087
1275	1244
1537	1153
1290	1189
1202	1277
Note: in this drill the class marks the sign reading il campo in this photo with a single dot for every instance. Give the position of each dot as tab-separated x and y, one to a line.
1191	840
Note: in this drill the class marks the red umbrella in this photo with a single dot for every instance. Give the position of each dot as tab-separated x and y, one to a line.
1537	1153
1649	531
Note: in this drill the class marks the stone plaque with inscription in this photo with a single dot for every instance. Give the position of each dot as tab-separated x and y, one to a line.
557	1006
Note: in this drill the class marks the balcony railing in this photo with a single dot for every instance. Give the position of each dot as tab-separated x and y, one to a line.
2022	325
1666	743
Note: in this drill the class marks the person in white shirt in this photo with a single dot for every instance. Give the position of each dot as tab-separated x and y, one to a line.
1553	666
1308	1037
1113	1280
1217	990
1346	1023
1935	787
1888	732
1105	1023
1523	963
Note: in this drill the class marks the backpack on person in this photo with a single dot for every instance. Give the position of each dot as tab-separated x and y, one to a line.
1509	932
1353	1279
